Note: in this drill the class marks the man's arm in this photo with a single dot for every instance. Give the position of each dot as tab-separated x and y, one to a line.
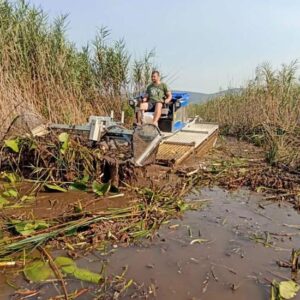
168	94
169	97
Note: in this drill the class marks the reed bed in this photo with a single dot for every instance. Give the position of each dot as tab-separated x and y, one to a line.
266	112
42	72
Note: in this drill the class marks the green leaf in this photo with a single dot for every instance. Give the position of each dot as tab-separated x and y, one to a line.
27	198
28	227
71	232
85	179
64	139
78	186
54	188
68	266
275	291
183	206
100	189
64	261
11	193
3	202
288	289
12	145
38	271
11	177
33	146
86	275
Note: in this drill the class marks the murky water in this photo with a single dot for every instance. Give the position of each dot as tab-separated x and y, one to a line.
241	242
230	265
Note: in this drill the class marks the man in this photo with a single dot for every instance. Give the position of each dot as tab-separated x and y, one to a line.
157	94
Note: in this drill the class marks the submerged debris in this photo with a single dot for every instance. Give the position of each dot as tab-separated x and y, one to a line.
87	230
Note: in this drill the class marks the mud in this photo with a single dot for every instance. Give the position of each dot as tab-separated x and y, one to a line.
241	235
49	205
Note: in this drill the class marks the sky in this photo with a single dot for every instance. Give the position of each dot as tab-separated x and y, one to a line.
201	45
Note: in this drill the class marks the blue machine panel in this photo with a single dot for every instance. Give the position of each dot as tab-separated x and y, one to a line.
182	97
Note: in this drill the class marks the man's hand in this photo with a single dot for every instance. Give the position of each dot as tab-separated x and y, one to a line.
145	98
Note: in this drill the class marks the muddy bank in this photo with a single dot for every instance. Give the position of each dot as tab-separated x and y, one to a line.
234	164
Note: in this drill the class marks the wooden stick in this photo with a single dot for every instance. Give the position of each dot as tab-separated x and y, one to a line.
56	271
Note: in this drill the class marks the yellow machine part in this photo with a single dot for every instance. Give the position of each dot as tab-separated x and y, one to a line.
173	152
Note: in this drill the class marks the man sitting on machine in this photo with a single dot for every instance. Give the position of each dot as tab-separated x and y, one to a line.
157	94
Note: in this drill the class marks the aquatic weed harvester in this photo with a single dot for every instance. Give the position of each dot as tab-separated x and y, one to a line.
176	138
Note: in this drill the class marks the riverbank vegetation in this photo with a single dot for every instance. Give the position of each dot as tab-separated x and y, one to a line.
266	112
43	72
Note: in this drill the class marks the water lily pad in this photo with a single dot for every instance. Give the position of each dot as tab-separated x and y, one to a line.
64	261
288	289
66	264
38	271
284	290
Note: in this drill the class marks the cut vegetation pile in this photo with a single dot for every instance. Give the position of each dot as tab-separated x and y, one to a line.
63	157
64	163
78	233
85	231
236	164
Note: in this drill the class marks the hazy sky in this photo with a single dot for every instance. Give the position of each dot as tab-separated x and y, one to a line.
203	45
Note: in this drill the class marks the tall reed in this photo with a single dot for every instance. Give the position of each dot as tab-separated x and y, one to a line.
42	71
266	111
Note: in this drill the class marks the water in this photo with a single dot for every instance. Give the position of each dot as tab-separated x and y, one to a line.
229	265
